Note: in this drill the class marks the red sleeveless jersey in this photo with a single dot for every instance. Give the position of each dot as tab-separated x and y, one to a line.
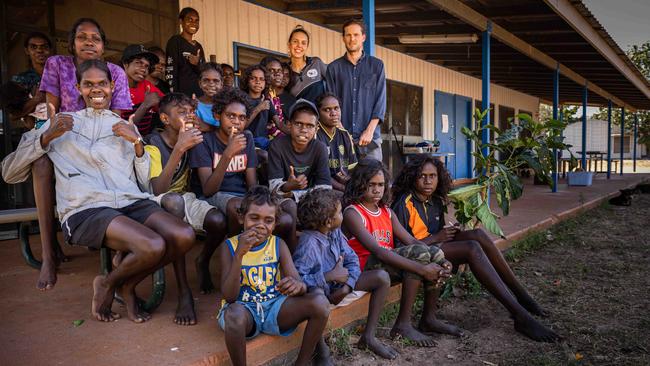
378	224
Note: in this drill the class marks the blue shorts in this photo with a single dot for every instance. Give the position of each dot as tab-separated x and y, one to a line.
265	317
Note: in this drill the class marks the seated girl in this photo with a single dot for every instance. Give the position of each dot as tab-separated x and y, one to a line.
211	83
420	193
373	230
100	164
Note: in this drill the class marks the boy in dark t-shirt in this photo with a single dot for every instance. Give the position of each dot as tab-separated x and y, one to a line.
298	162
169	171
225	162
338	140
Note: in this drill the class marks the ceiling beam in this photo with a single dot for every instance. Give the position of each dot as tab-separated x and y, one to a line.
330	6
479	21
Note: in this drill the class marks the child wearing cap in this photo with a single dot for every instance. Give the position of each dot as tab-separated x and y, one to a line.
298	162
138	62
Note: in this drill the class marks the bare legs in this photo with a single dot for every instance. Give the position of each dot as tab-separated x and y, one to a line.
43	178
403	326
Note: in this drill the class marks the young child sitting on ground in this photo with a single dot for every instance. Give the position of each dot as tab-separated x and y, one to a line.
342	156
373	230
297	161
420	193
100	163
138	62
211	83
262	291
170	172
326	262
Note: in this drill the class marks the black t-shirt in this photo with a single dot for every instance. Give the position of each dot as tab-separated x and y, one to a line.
183	77
340	149
208	153
258	126
312	162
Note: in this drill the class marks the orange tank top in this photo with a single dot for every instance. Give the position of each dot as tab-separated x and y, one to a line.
378	224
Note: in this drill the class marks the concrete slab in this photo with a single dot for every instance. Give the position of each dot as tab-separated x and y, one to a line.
37	327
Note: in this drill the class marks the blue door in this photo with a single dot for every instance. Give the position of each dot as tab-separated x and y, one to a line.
445	111
463	146
452	112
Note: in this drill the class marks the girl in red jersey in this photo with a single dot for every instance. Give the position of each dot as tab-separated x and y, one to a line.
373	230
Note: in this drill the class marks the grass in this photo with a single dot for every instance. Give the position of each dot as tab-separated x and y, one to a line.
339	342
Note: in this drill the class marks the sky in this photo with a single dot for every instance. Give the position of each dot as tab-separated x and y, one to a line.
627	21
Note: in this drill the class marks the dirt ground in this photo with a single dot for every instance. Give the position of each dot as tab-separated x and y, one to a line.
591	273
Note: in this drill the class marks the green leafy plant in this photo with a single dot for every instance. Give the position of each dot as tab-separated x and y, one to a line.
527	143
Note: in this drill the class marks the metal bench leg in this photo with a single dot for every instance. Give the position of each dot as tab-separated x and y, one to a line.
158	281
23	236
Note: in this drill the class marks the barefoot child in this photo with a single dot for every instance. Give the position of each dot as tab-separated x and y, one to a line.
340	146
170	172
211	83
261	288
326	262
421	192
373	230
99	162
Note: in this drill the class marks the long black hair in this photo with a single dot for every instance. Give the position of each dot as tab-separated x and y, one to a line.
360	178
405	181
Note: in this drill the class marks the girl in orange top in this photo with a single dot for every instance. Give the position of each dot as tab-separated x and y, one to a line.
373	230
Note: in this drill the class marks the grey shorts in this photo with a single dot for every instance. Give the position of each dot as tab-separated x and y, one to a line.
220	199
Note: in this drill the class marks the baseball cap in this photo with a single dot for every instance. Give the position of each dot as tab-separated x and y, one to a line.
303	103
133	50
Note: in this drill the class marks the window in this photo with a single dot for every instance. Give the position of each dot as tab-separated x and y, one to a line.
246	56
617	145
404	116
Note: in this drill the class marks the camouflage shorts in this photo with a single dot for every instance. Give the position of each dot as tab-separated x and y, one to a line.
416	252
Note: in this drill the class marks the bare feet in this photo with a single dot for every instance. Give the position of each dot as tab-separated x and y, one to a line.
378	348
203	273
133	306
185	314
58	253
532	329
322	354
437	326
532	306
47	277
102	301
408	332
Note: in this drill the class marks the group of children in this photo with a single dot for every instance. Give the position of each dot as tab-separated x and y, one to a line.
300	221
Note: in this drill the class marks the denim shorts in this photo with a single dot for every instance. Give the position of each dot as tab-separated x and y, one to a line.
265	317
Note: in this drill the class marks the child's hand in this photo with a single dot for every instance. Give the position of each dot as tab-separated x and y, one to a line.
447	267
338	274
247	240
194	59
127	131
295	183
236	143
150	99
338	295
290	286
448	233
342	177
264	105
188	137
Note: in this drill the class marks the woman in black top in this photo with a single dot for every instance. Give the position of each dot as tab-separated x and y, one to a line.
307	73
185	55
